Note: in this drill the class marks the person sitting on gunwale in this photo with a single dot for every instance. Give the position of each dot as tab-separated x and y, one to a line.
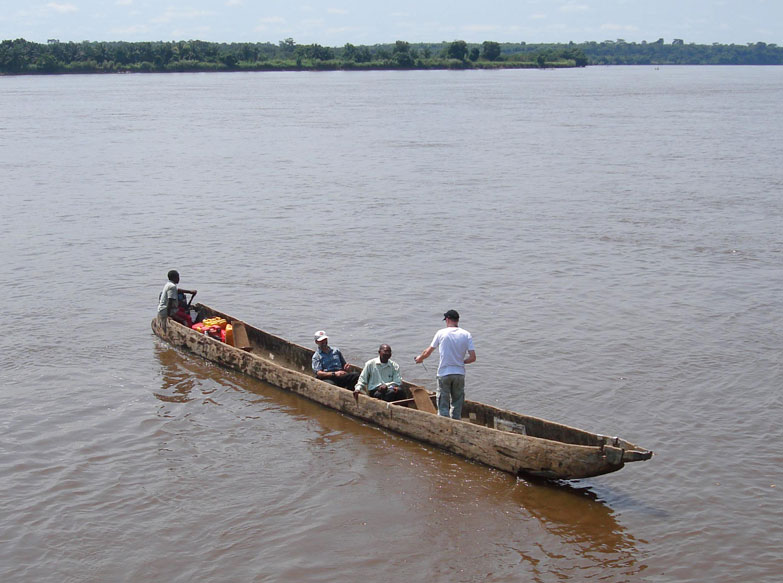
381	378
168	300
329	364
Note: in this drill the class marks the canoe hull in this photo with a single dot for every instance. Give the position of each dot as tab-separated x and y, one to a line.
286	365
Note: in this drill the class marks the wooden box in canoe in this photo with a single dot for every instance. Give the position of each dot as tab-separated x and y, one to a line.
508	441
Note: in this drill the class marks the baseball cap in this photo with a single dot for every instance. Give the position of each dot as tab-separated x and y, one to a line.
451	315
320	335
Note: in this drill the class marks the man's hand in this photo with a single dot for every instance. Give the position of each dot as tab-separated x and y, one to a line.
425	354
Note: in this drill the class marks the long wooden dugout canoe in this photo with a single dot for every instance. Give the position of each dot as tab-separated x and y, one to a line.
508	441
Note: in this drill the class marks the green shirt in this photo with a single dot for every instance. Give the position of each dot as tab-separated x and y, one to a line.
377	373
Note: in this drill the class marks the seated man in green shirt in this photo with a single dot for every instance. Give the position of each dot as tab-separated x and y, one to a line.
381	378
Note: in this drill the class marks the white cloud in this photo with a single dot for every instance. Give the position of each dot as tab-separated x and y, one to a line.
264	24
175	15
619	27
234	2
124	2
130	30
538	16
572	7
194	33
339	11
62	8
480	28
342	30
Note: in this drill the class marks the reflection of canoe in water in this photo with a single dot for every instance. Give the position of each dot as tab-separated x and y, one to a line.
581	536
499	438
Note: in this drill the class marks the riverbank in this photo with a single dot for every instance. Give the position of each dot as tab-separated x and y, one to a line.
206	67
22	57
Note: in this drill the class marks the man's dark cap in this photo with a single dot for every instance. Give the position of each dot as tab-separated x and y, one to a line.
451	315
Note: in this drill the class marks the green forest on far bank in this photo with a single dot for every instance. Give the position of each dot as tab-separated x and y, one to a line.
24	57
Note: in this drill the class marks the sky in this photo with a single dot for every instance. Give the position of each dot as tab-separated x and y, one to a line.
366	22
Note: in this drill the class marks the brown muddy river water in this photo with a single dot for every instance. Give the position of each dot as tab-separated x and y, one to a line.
613	238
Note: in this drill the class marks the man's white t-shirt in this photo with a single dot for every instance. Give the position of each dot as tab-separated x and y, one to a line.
169	293
453	344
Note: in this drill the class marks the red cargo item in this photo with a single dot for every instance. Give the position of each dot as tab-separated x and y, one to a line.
214	331
199	327
183	317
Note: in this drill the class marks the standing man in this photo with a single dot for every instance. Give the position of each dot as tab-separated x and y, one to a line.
329	364
381	378
455	346
168	301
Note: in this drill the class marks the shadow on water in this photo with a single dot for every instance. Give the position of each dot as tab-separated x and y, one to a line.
573	529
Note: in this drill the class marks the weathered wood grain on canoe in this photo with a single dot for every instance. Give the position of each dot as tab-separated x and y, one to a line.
509	441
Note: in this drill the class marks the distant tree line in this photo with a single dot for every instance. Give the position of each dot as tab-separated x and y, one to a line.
678	52
24	57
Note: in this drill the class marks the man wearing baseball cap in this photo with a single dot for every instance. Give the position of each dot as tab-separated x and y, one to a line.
329	364
455	346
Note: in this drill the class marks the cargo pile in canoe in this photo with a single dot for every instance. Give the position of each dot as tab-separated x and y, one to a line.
508	441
